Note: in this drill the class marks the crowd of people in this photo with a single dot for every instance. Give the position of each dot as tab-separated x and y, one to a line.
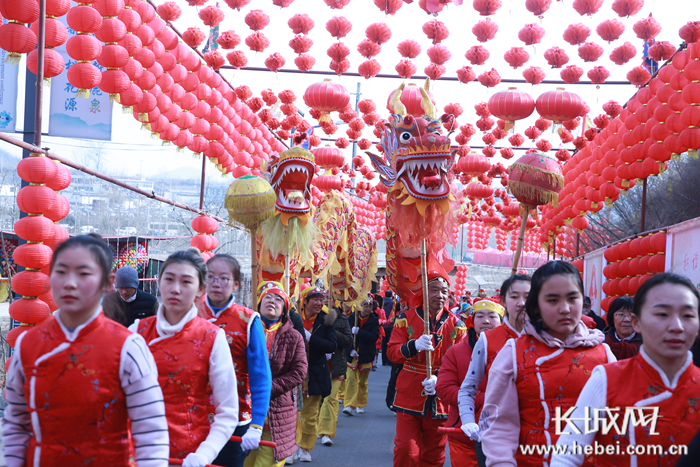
117	379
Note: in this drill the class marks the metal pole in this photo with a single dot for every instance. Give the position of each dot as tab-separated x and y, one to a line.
201	187
578	243
554	248
642	221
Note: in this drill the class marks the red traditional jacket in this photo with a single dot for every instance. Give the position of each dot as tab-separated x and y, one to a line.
183	375
75	397
548	377
236	321
678	416
446	331
495	340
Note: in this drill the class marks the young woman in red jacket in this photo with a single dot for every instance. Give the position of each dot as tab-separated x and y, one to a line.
81	388
195	370
660	384
541	371
487	315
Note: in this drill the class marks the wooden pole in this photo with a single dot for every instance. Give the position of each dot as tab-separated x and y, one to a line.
578	243
253	267
202	182
521	240
426	306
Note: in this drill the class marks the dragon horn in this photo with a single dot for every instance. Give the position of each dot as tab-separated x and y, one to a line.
395	103
425	103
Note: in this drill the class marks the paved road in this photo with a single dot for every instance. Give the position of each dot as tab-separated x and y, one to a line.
363	440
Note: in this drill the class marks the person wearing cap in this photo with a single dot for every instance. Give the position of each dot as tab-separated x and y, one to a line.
285	348
514	292
482	293
128	303
455	363
246	340
420	411
321	340
361	357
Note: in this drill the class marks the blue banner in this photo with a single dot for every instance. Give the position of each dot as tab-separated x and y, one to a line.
74	117
8	92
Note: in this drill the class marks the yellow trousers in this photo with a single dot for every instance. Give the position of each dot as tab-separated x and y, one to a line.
328	420
263	456
356	388
307	423
341	391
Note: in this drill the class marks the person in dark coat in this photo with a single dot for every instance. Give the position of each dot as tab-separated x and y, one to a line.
321	340
599	322
285	348
328	420
128	303
361	357
619	335
388	326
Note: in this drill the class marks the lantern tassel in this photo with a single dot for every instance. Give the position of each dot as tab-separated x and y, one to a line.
13	58
83	94
127	109
543	196
551	178
325	117
179	149
196	155
693	153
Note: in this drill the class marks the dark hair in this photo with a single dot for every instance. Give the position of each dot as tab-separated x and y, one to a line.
378	301
542	275
100	251
191	256
508	283
586	300
664	278
620	303
231	263
387	293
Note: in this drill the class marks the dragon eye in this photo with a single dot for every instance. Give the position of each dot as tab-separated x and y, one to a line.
405	136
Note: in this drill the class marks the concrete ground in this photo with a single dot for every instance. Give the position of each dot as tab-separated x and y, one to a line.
363	440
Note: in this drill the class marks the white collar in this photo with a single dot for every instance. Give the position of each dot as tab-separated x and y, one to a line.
130	299
662	374
73	335
625	339
507	322
165	329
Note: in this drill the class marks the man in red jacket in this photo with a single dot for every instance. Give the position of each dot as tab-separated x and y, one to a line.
419	410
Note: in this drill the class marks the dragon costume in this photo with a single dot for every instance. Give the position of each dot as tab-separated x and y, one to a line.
414	165
321	243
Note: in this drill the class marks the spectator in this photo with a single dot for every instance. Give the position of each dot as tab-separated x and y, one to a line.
387	325
587	311
619	335
128	303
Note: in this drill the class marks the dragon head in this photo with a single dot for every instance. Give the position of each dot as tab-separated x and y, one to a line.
416	153
291	177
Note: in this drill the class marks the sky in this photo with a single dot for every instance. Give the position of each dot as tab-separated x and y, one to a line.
132	150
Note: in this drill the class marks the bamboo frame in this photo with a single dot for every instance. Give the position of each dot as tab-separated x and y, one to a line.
426	310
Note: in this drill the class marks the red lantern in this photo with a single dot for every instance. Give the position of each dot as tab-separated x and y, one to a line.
485	30
326	97
511	105
535	179
623	54
559	105
533	75
556	57
531	34
576	34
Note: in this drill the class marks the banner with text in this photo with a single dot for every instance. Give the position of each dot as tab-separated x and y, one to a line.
74	117
685	250
9	73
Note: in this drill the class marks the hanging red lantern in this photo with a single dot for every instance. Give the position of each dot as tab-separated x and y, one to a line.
647	28
485	30
571	74
257	42
533	75
598	74
638	76
590	52
623	54
326	97
559	105
556	57
576	34
486	7
511	105
661	50
435	30
610	30
338	27
369	68
490	78
690	32
516	56
626	8
531	34
587	7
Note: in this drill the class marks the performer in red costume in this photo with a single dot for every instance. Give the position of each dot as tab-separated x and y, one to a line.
541	371
246	340
661	377
78	378
514	292
419	411
195	369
